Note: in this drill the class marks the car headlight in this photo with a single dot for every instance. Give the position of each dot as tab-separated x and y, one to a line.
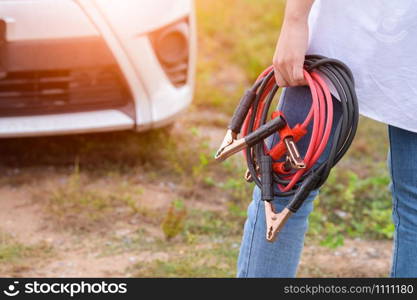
171	45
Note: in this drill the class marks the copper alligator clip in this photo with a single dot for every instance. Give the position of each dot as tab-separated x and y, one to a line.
294	156
275	221
230	145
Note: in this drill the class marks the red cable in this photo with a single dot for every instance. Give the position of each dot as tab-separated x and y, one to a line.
321	113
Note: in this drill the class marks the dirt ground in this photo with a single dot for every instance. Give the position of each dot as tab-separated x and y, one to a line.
23	217
82	258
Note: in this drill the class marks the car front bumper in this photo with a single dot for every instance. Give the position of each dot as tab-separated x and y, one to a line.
154	100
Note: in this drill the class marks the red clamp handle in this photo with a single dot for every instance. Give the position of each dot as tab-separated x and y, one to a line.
279	150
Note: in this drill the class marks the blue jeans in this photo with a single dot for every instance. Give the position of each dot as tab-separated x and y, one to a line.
259	258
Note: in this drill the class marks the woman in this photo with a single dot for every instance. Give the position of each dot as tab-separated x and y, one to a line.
377	39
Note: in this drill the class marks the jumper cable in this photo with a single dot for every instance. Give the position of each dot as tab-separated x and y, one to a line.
281	170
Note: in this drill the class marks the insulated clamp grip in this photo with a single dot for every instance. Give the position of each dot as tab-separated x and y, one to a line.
241	111
266	177
308	185
264	131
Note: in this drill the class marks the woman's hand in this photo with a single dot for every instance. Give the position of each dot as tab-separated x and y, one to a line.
292	44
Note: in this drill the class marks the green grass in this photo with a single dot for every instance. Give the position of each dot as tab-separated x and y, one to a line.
206	247
173	223
15	255
236	42
78	206
355	201
217	260
10	250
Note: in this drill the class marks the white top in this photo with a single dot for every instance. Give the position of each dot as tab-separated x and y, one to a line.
377	39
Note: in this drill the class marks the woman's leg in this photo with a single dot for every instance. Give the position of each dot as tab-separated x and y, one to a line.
259	258
402	162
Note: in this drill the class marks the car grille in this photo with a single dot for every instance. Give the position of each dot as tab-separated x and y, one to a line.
62	90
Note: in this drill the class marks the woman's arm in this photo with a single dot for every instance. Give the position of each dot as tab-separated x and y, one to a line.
292	44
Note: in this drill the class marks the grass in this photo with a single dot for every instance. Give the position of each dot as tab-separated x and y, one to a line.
76	205
218	259
355	201
236	42
92	195
15	256
207	247
173	223
10	251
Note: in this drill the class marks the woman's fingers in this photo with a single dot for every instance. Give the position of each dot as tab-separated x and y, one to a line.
279	78
298	75
289	73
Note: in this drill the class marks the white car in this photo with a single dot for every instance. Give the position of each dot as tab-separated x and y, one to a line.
76	66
